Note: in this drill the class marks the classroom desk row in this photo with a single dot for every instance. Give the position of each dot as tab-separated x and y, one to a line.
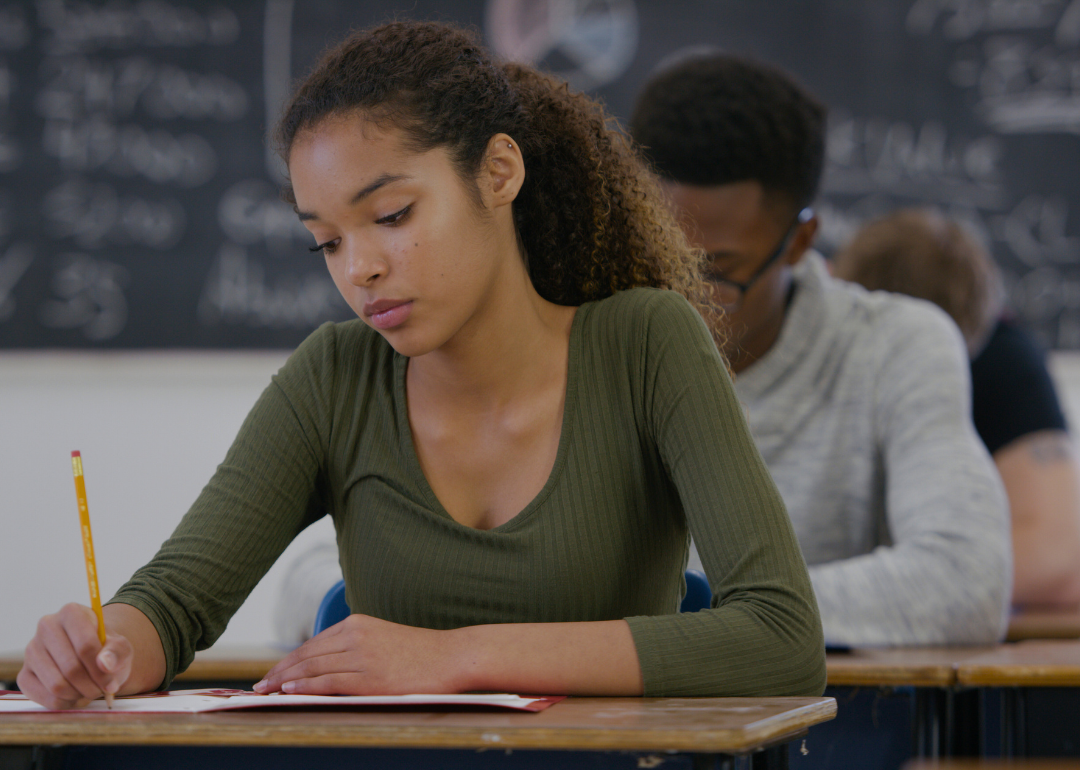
629	732
710	731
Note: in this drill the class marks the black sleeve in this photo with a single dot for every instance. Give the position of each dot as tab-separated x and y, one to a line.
1012	392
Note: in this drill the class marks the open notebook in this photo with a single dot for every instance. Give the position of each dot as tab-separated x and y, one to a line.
195	701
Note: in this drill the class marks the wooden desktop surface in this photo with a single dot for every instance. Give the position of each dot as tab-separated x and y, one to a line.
1044	624
1032	663
700	725
899	666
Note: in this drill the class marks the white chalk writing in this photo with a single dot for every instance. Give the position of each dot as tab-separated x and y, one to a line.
89	296
237	292
251	212
81	27
93	214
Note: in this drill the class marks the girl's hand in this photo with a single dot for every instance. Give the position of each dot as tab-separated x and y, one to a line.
363	655
65	666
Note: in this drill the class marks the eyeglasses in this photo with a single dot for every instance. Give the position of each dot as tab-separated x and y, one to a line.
730	293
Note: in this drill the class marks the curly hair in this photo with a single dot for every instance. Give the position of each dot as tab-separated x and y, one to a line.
717	119
590	219
921	253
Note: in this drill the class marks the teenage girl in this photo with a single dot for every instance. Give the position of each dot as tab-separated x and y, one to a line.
515	439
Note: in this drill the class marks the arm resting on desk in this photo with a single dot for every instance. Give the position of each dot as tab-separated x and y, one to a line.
368	656
1042	479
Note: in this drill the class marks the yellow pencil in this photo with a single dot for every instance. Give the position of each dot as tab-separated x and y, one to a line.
88	552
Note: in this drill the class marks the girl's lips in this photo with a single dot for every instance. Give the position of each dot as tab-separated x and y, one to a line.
387	317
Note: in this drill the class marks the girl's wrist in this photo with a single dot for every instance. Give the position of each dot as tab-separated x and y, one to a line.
465	663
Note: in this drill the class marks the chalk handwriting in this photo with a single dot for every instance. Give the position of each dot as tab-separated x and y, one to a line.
237	292
77	27
251	212
1027	88
13	265
963	19
1035	232
89	295
94	214
187	160
867	155
76	86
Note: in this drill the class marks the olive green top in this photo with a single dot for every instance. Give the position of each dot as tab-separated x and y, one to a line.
654	447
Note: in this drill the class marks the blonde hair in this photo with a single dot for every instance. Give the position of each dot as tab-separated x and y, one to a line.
922	253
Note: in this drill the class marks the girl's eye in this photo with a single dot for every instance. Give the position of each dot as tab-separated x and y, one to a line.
396	218
326	248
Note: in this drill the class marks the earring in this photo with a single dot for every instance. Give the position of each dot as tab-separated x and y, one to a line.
510	145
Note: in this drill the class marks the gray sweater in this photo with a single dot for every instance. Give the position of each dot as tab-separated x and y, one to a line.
861	411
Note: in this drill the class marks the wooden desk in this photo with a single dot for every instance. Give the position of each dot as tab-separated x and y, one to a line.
996	764
900	666
1031	675
941	718
1033	663
700	726
1044	625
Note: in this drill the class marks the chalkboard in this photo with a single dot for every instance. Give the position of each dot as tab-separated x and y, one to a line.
138	198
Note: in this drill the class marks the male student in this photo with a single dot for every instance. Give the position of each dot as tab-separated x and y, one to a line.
859	402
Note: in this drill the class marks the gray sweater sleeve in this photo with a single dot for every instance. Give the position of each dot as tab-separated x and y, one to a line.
945	576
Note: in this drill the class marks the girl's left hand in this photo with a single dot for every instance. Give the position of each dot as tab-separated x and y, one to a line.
363	655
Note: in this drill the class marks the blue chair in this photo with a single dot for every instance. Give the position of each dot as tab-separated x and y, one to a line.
333	608
698	594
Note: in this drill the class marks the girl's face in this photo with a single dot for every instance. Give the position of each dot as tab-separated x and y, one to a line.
406	245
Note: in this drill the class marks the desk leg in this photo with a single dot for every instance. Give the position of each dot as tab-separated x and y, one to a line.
962	734
930	705
772	758
1013	722
721	762
32	757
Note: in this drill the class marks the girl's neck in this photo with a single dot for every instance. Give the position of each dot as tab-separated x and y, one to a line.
512	347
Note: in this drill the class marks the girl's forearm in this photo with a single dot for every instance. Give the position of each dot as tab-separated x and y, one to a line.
594	658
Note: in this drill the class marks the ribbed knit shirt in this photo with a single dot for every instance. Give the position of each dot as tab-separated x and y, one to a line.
861	410
654	446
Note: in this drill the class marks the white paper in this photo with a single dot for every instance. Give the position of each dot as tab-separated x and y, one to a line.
194	701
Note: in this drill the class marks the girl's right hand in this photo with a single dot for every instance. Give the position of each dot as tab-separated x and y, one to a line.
65	666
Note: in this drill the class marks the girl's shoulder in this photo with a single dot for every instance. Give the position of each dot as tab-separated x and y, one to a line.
349	349
641	304
640	313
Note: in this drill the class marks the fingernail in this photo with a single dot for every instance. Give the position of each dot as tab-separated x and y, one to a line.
288	687
107	660
260	686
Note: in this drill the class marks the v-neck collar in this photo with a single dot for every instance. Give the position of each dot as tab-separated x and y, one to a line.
412	459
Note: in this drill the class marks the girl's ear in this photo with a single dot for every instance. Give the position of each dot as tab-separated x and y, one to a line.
504	170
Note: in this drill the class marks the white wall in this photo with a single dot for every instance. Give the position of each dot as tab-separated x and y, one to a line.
151	428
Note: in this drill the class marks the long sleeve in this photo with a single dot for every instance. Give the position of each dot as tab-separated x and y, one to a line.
945	577
763	634
260	497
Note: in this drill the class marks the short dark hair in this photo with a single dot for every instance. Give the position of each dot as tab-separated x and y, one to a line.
718	119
